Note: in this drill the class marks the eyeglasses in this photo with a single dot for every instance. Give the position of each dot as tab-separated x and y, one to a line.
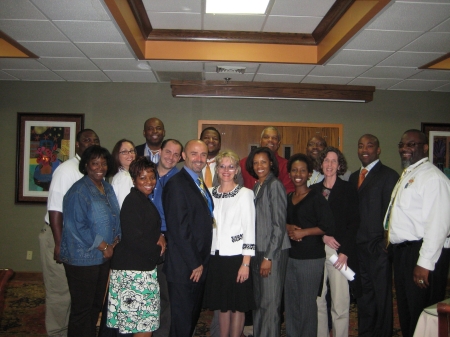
230	168
410	144
125	152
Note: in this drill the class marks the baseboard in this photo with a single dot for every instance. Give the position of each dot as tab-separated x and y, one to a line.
27	276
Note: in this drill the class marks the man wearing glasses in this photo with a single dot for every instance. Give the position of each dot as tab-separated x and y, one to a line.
171	150
418	224
154	135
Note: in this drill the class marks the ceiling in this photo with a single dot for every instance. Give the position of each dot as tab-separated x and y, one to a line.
79	41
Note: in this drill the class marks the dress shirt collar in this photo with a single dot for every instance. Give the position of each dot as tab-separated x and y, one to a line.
370	166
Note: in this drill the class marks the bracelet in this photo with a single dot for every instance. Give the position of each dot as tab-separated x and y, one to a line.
246	265
105	248
267	259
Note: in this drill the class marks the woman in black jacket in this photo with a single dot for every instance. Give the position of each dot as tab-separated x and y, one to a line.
133	301
343	200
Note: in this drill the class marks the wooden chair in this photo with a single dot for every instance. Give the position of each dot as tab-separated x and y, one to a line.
443	310
5	275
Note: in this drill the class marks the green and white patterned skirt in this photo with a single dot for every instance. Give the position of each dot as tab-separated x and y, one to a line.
133	301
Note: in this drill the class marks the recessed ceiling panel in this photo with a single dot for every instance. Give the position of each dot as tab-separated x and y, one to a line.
167	76
72	9
379	83
83	76
233	22
430	42
121	64
90	31
390	72
278	78
432	75
24	30
382	40
19	9
15	63
193	6
409	59
291	24
177	66
288	69
53	49
131	76
411	16
68	63
339	70
34	75
326	80
444	27
7	77
444	88
359	57
302	7
100	50
417	85
175	20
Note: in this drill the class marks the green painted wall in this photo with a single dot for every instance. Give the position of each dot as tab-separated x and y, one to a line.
118	110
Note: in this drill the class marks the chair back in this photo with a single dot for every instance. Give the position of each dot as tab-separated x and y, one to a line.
5	275
443	310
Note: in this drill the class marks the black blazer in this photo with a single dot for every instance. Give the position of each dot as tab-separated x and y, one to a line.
343	201
374	196
189	228
141	228
140	150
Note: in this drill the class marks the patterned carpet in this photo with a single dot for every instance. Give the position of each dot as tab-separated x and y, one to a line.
25	310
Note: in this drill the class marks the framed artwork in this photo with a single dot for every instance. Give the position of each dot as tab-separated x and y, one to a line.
44	141
427	127
439	150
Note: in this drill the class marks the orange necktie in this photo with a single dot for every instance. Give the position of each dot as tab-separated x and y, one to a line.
208	175
362	176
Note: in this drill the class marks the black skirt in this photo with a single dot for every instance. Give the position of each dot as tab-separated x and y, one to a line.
222	292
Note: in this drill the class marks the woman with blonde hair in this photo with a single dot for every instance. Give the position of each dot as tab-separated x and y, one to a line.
229	285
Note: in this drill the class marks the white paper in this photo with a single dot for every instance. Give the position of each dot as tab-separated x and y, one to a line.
348	273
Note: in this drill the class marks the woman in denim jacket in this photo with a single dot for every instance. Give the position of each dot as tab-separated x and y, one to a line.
90	232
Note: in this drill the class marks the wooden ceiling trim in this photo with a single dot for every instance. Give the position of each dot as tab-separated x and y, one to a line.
243	46
268	90
339	8
122	13
230	36
230	52
353	20
11	48
441	63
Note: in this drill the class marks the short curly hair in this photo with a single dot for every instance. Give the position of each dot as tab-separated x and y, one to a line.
270	155
342	163
300	157
94	152
141	164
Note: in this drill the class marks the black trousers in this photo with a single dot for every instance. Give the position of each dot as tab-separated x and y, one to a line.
375	313
411	300
185	307
87	287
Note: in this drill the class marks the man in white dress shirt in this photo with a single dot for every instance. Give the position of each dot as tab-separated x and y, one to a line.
57	296
418	220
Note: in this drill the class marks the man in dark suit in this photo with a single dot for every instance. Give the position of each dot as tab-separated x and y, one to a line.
154	135
375	183
188	208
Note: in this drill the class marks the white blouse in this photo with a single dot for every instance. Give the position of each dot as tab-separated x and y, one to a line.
234	212
122	183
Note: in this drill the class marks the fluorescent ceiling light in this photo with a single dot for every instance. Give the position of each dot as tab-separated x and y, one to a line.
236	6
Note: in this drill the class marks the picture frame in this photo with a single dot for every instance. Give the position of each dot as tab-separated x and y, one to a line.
427	127
439	150
44	141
